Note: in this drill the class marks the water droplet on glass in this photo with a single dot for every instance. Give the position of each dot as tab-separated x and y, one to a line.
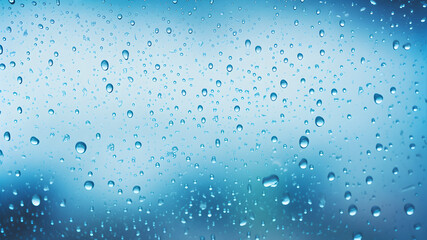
35	200
376	211
104	65
229	68
303	163
81	147
125	54
89	185
109	88
331	176
6	136
378	98
352	210
286	200
319	121
409	209
136	189
283	83
303	142
270	181
395	44
273	96
248	43
34	141
258	49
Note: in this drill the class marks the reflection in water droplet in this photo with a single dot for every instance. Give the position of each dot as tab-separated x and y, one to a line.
270	181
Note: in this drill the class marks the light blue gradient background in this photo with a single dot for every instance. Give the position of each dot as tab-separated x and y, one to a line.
75	82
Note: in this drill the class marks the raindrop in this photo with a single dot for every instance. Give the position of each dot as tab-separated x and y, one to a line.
109	88
34	141
409	209
283	83
89	185
258	49
319	121
125	54
104	65
352	210
303	142
35	200
376	211
270	181
81	147
378	98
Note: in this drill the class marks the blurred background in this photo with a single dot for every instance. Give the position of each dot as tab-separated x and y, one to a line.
214	119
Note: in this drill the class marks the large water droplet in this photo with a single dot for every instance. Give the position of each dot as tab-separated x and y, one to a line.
270	181
258	49
81	147
104	65
303	142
